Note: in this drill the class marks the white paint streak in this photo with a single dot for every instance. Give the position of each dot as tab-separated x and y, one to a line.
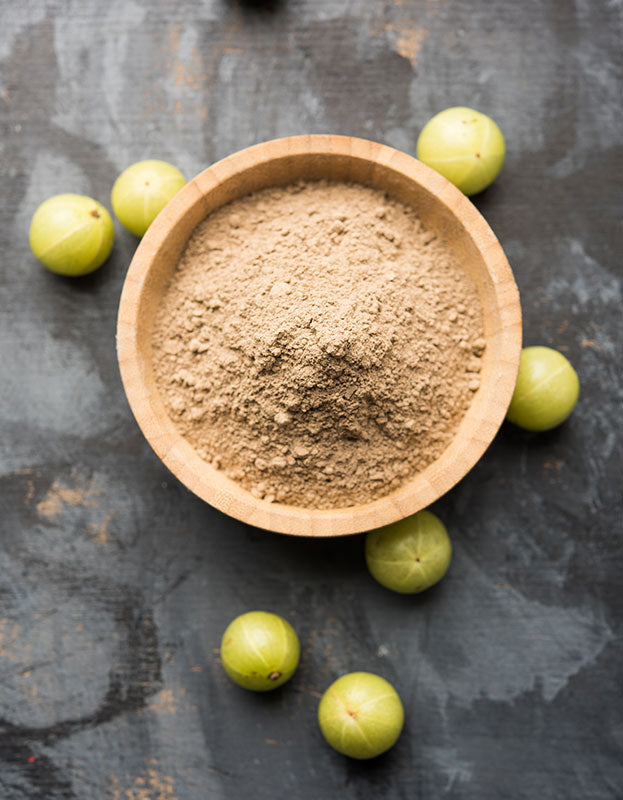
15	22
51	174
85	61
509	644
448	763
227	67
581	279
51	384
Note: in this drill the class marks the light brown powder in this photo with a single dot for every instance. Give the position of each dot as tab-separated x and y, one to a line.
318	344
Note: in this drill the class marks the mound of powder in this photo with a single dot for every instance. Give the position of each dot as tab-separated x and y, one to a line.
318	344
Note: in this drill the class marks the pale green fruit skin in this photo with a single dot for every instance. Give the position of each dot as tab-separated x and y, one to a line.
141	192
361	715
546	391
71	234
260	651
411	555
465	146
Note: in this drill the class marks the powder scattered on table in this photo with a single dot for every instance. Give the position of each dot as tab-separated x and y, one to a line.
318	344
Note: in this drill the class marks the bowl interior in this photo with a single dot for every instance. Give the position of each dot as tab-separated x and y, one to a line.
441	207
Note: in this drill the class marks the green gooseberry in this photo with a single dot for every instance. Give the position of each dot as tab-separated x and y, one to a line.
465	146
410	555
361	715
546	391
71	234
141	192
260	650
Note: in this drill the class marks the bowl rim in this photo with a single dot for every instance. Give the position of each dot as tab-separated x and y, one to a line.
230	497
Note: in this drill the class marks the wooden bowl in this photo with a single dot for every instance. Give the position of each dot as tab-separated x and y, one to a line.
441	206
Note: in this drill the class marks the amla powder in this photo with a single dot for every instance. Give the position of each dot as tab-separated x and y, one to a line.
318	344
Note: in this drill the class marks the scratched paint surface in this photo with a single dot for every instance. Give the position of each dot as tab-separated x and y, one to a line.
116	583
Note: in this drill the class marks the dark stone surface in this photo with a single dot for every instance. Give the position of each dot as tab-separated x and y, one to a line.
116	583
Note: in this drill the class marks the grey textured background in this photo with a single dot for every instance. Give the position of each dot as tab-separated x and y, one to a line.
116	583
